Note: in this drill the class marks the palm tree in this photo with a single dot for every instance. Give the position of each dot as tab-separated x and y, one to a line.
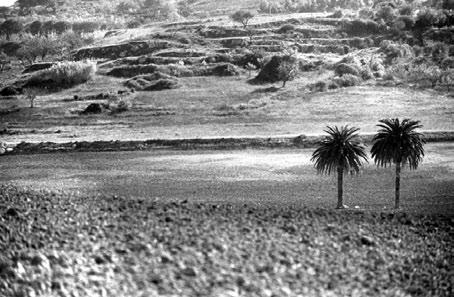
398	142
340	151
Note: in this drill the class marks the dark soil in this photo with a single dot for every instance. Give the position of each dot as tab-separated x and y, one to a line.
110	246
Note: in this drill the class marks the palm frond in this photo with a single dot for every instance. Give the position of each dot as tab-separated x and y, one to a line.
340	149
397	141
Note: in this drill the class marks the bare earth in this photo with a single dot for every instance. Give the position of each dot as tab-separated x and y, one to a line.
251	176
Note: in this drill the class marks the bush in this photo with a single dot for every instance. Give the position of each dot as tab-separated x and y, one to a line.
440	51
61	26
85	27
343	69
395	51
361	27
62	75
35	27
10	27
285	29
366	74
366	13
348	80
320	86
162	84
404	23
387	14
447	63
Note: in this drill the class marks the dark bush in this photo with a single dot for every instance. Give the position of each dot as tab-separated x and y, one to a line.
226	69
94	108
270	71
348	80
405	10
320	86
343	69
35	27
287	28
85	27
61	26
11	91
10	48
133	24
405	22
359	27
162	84
440	51
447	63
10	27
47	27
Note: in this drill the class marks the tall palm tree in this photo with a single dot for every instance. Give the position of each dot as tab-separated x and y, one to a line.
340	151
398	143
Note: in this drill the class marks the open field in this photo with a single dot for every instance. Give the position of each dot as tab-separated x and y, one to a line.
213	107
61	245
251	176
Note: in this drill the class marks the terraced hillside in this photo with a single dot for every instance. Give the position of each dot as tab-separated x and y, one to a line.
195	79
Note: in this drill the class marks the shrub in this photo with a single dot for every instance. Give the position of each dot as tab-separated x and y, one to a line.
361	27
447	63
440	51
343	69
61	26
348	80
406	10
287	28
63	75
47	27
404	22
162	84
386	14
320	86
35	27
366	13
366	74
85	27
10	27
395	51
337	14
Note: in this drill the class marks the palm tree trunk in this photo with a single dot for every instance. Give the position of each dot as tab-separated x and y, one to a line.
340	187
397	199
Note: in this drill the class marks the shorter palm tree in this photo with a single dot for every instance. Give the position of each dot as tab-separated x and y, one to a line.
341	151
398	143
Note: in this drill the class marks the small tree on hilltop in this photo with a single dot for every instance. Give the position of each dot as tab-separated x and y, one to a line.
341	151
243	17
398	143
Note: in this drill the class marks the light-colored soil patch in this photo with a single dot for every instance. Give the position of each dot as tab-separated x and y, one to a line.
221	107
256	176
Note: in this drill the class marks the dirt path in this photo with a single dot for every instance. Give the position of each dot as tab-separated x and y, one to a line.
257	176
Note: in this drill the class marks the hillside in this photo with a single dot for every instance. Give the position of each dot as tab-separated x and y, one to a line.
204	78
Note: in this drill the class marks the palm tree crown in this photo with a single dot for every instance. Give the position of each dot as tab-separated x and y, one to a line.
398	142
340	150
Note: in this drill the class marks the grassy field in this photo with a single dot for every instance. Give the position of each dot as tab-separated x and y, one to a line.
215	106
253	176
